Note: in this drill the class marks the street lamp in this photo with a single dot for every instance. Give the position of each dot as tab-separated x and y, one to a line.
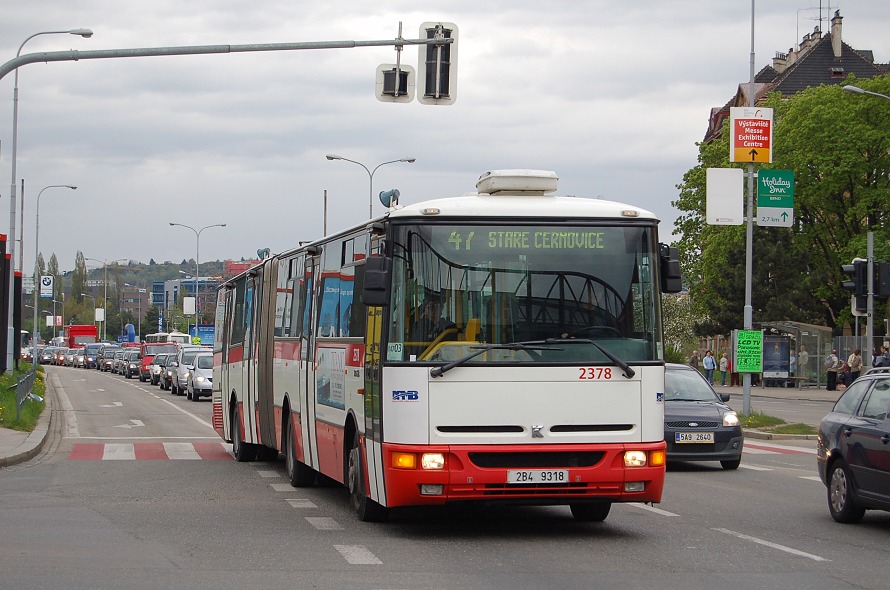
105	264
15	125
37	252
94	305
857	90
370	175
197	254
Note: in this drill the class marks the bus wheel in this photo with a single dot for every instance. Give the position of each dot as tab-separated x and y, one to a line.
299	474
365	508
244	452
591	512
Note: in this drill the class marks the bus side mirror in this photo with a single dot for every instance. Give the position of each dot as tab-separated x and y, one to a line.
671	279
378	279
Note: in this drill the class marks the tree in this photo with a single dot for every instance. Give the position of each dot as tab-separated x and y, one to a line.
79	277
842	179
53	269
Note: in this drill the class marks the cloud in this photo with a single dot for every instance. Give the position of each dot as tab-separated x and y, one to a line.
612	96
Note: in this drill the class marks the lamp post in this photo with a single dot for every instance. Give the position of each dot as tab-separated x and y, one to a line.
197	254
37	252
370	175
856	90
12	197
105	264
93	297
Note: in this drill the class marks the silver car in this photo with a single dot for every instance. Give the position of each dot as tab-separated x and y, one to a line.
183	366
201	377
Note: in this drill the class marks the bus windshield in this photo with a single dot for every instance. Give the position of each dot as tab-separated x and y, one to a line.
457	287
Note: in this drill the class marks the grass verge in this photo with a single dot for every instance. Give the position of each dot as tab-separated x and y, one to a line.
759	421
30	409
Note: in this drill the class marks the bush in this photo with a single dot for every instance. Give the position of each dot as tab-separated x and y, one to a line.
30	409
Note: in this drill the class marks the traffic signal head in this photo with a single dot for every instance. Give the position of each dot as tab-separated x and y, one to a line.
858	273
437	65
882	280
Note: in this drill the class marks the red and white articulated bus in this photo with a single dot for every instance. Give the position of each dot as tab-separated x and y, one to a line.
502	346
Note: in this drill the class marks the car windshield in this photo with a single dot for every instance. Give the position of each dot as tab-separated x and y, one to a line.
687	385
189	356
204	361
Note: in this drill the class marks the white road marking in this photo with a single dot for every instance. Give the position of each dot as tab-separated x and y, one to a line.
651	509
118	452
181	451
267	473
324	523
282	487
300	503
357	555
754	468
773	545
149	438
811	478
112	405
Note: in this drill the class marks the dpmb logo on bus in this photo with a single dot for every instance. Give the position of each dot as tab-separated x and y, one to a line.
752	135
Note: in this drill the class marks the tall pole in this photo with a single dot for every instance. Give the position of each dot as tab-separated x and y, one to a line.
12	197
749	236
36	256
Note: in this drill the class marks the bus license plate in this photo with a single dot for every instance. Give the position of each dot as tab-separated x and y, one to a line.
694	437
521	476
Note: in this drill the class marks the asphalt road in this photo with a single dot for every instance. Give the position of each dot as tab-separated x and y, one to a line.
147	512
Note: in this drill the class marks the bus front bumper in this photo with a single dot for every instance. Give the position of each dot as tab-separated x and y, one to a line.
524	474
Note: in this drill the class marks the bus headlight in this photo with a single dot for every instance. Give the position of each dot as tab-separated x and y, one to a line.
432	461
635	459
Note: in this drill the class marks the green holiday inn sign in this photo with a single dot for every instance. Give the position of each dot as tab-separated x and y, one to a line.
775	198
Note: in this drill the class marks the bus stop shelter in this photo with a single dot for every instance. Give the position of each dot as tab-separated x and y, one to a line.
810	344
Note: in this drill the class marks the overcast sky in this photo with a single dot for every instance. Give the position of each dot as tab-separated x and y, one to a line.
610	95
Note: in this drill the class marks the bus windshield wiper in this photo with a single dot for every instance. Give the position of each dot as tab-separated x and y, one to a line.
536	345
628	372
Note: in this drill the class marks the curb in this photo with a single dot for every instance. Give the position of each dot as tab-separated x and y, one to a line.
761	435
35	441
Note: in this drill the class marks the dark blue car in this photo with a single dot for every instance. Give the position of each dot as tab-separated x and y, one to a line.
853	448
698	425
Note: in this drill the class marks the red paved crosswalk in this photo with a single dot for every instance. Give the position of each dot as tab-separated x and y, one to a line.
150	451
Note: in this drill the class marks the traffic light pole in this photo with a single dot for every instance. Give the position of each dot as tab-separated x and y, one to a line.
870	309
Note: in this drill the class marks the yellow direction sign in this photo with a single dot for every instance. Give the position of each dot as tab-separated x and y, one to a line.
751	137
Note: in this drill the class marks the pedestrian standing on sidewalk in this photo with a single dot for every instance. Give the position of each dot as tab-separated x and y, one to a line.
724	366
832	364
710	365
855	364
693	360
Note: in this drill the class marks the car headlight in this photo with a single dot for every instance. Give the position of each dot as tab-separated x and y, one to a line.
200	379
185	375
730	419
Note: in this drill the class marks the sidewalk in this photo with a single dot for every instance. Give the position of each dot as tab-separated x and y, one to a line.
18	447
804	394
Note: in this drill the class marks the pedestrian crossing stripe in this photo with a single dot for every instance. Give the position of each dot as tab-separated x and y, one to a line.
150	451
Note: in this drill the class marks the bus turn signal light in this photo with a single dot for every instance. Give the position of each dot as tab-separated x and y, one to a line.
404	461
